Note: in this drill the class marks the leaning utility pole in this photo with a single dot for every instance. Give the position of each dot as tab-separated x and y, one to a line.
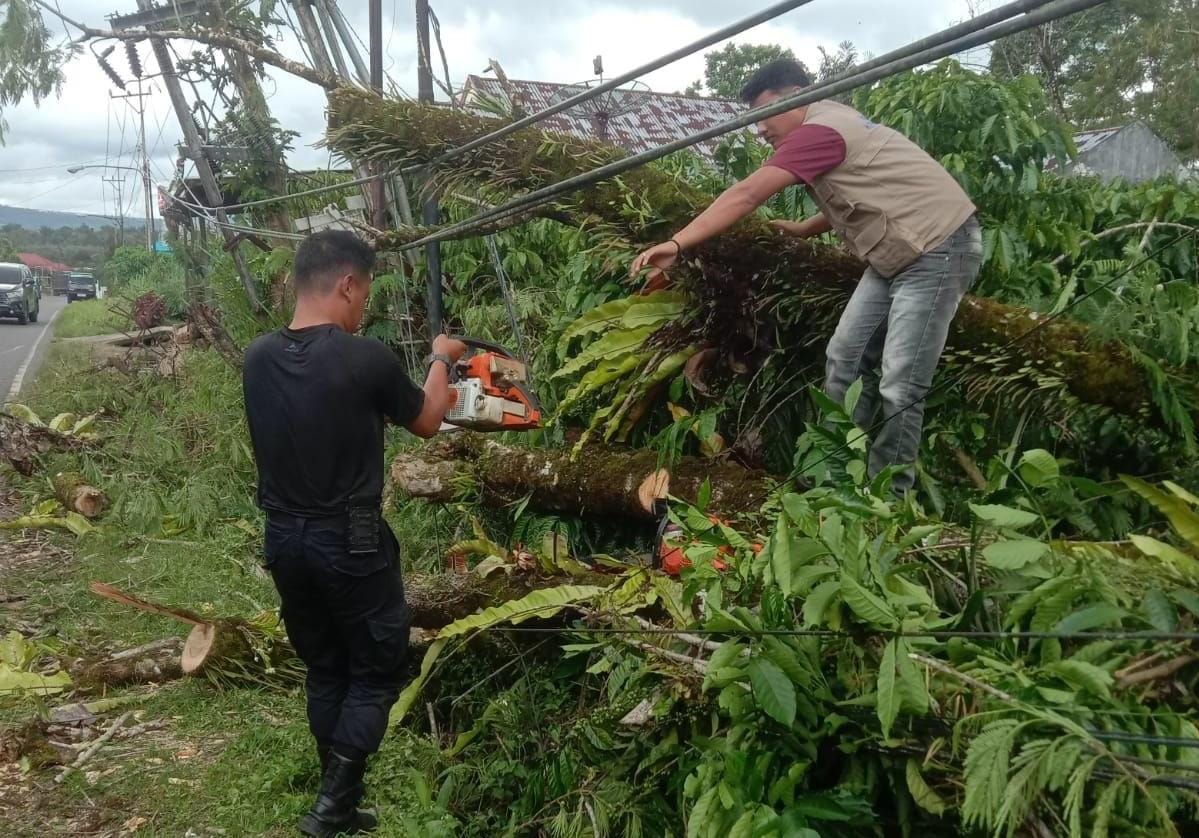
191	137
140	96
430	214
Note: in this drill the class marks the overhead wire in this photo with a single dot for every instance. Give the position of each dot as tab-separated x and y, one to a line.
946	42
1008	19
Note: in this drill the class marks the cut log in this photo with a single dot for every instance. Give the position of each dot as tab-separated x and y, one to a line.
597	481
21	443
153	664
73	492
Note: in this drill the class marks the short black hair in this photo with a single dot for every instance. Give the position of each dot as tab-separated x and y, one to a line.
324	257
775	75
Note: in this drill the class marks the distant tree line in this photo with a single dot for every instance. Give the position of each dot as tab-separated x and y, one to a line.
74	246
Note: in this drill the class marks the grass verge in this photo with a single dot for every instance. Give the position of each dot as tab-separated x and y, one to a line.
183	530
89	317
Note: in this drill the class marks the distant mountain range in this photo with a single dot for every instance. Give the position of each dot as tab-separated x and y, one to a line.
34	219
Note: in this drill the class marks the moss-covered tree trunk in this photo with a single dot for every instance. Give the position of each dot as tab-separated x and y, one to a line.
598	481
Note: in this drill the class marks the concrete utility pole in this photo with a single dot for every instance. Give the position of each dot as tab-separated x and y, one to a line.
195	147
145	167
430	213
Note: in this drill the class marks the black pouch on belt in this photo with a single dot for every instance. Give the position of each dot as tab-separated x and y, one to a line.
363	528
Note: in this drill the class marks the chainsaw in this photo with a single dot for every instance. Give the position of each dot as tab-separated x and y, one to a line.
489	390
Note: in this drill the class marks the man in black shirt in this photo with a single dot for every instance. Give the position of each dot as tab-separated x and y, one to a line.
317	398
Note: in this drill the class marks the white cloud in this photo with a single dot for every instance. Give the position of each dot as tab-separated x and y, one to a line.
532	39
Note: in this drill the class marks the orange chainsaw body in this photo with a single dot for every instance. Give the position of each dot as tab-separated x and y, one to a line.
489	392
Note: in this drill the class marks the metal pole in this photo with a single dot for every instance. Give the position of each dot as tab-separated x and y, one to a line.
347	40
141	115
326	19
378	206
430	213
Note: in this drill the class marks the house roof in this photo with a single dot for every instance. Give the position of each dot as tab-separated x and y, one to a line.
1089	140
34	260
650	119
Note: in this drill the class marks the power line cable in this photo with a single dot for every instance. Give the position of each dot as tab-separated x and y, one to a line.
913	55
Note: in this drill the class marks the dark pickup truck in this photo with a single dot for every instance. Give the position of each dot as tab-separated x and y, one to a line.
20	293
81	287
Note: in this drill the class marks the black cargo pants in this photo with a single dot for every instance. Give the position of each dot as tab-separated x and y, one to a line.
346	616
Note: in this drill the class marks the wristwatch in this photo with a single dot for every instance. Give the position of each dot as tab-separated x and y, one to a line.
445	359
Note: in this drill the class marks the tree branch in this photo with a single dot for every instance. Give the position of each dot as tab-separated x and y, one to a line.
203	36
1137	225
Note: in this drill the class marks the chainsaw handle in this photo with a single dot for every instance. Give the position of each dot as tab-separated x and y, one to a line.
486	346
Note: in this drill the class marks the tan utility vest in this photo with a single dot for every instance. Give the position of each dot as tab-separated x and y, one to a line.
889	199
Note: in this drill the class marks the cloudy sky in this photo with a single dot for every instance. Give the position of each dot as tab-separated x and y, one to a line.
532	39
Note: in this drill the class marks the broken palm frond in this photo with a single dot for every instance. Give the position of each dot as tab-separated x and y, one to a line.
23	436
18	673
595	480
69	520
364	126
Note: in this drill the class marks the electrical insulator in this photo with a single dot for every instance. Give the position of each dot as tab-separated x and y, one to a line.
135	60
107	68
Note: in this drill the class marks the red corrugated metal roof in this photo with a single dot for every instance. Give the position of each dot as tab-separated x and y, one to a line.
34	260
652	119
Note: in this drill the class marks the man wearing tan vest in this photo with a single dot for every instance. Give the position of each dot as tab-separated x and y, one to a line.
900	212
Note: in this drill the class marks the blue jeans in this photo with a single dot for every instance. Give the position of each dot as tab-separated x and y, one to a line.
891	335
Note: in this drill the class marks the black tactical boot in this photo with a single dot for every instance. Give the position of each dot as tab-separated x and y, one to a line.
336	811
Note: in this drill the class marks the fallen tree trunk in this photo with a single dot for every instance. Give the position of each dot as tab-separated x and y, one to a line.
154	663
74	493
236	651
21	443
600	480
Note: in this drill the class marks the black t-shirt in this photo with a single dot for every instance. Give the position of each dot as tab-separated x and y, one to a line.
316	401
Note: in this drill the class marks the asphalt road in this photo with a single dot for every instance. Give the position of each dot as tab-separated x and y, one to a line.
23	347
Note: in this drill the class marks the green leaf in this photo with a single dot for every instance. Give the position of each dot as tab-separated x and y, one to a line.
818	602
868	606
599	319
541	603
1091	617
20	411
1180	561
913	692
922	793
63	422
1177	510
651	313
1159	611
987	764
852	396
1014	554
727	655
611	347
786	659
1003	516
701	813
32	683
1083	676
1039	468
773	691
887	705
780	555
704	496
